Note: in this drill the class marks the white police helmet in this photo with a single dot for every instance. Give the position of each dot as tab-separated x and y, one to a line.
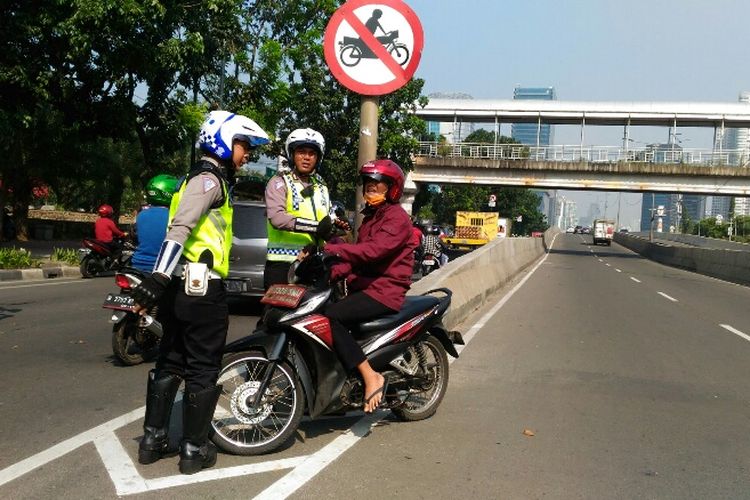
221	128
305	137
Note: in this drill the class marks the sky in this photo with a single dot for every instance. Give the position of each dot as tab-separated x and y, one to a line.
591	50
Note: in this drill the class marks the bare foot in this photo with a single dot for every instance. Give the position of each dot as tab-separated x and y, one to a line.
373	391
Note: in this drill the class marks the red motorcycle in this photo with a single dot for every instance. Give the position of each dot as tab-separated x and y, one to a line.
288	367
98	257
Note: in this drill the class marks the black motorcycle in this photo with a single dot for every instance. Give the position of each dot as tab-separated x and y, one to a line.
288	367
134	337
98	257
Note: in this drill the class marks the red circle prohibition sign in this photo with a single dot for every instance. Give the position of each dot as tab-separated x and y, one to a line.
400	74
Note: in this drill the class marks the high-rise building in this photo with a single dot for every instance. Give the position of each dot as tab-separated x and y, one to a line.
739	139
526	133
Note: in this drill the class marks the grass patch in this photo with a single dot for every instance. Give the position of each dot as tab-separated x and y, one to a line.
65	255
17	258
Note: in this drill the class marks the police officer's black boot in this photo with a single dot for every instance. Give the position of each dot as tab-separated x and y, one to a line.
159	398
196	450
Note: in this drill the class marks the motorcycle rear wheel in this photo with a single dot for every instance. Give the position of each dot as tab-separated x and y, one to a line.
89	267
242	430
424	398
124	344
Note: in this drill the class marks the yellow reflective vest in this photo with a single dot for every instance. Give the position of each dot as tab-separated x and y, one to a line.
283	245
213	231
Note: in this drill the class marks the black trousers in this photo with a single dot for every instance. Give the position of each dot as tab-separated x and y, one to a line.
355	308
195	332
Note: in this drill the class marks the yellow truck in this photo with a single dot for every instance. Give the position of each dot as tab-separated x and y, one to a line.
473	229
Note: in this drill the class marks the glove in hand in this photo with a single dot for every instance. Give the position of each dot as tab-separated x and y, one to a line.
325	228
148	293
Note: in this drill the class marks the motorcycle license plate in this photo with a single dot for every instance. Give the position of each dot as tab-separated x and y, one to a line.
428	262
283	295
119	302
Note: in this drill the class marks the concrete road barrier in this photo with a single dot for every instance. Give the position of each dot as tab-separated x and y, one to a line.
476	275
729	265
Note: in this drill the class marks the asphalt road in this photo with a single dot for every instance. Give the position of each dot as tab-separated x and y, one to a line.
619	367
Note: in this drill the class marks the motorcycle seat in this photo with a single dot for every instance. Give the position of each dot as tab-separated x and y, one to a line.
413	305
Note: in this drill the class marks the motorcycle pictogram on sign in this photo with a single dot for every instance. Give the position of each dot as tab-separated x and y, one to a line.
353	49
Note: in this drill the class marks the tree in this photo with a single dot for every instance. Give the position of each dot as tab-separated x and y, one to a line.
97	96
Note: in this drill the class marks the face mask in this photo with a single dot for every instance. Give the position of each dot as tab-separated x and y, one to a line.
374	199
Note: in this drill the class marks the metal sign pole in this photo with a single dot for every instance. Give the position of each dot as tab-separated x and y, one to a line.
368	147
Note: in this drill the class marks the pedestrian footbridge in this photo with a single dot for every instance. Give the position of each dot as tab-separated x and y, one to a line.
657	168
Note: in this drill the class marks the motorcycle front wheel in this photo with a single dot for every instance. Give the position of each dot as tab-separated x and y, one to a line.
90	267
425	391
241	429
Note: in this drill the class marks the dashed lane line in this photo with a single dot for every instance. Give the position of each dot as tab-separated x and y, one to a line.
735	331
618	270
635	279
667	297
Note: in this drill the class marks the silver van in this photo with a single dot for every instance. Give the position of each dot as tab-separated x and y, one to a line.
250	236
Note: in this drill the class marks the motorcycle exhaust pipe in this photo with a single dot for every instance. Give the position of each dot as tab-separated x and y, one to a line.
149	323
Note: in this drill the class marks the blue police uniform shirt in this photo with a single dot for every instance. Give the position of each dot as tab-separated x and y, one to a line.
151	227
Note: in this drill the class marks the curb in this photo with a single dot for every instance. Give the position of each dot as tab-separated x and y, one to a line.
39	273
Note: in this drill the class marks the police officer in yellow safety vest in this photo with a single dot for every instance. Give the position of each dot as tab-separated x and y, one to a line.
297	205
186	282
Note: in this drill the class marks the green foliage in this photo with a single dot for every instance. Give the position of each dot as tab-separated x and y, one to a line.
65	255
98	96
17	258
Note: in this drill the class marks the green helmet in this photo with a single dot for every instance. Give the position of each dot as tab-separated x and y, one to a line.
160	189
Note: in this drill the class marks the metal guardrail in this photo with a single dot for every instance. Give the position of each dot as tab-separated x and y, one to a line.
578	153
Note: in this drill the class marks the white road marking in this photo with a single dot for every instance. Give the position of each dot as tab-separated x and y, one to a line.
608	264
635	279
121	469
735	331
20	468
295	479
128	481
618	270
667	296
600	260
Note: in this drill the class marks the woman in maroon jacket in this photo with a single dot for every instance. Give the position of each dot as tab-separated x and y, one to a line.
377	269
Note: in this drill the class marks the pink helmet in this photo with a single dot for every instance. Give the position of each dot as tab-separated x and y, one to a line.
105	211
388	172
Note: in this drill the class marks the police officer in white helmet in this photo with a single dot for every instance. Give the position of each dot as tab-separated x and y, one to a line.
187	284
297	205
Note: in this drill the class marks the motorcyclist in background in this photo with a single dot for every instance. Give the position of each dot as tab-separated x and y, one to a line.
432	244
151	221
106	231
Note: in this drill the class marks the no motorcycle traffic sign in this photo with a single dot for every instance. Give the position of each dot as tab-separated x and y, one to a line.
373	47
